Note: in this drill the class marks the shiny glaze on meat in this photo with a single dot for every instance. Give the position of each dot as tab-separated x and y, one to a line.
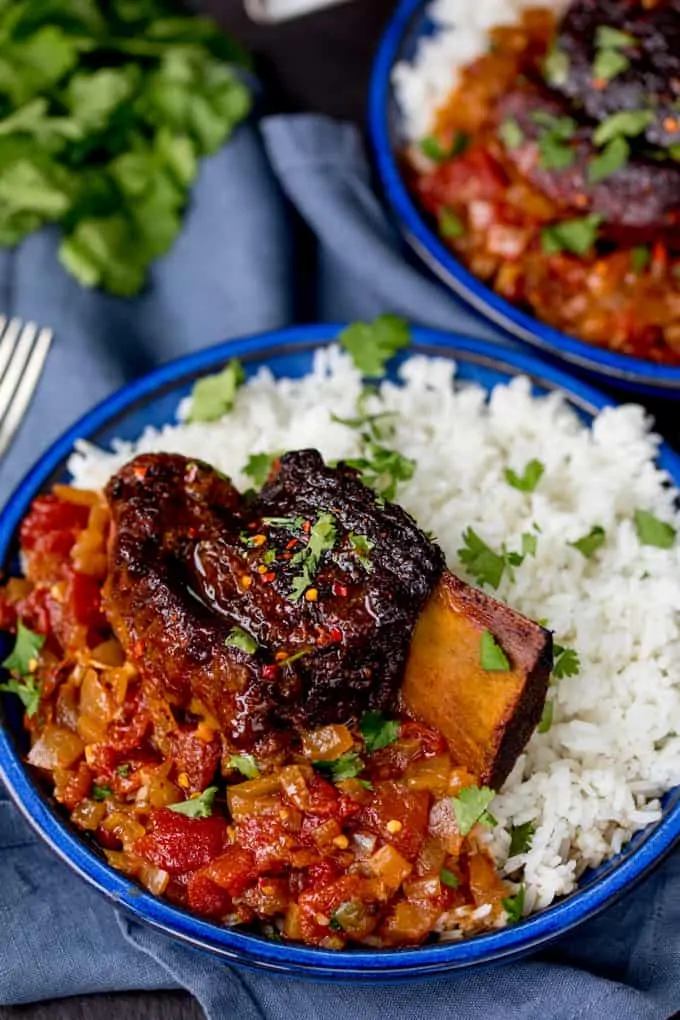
190	559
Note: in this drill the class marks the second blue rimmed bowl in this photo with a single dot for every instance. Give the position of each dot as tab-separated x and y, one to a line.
153	401
407	27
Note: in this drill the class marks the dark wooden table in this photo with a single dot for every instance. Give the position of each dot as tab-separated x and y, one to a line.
319	63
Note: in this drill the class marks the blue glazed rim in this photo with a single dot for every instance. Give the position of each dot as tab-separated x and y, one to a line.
248	949
608	365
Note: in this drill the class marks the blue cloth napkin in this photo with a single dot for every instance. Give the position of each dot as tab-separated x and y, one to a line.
233	271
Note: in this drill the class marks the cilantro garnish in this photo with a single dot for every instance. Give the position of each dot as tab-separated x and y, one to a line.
258	467
346	916
240	638
361	547
449	223
529	479
555	133
625	123
607	37
294	657
347	766
470	807
322	537
196	807
485	565
372	344
378	731
652	531
382	469
214	396
491	655
520	838
123	770
101	792
434	150
639	258
613	157
576	236
529	545
447	877
514	906
546	718
245	764
289	523
556	66
22	662
566	662
609	63
588	544
511	133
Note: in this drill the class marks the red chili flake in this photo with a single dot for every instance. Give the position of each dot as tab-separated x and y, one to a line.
270	672
138	647
291	545
335	634
192	532
286	556
341	590
140	471
306	527
268	578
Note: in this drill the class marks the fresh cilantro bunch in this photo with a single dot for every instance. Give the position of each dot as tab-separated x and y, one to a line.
105	108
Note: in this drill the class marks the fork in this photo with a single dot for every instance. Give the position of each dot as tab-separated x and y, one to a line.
23	350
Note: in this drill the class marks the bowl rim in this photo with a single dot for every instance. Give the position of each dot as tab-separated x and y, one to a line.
663	379
249	949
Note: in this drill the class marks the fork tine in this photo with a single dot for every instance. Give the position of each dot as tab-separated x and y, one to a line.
8	340
10	421
17	363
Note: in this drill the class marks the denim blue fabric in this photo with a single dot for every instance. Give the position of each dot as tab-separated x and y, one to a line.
233	271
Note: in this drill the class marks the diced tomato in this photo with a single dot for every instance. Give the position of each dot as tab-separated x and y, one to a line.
37	609
207	898
321	874
51	514
83	599
178	843
324	801
476	175
233	870
399	816
268	839
76	787
197	759
318	907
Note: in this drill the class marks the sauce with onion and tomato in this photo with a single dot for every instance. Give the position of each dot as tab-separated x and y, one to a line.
473	177
367	833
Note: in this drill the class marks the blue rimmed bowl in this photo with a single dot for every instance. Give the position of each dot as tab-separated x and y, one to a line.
408	26
153	401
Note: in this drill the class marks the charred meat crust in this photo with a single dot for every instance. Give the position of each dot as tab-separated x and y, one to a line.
652	80
184	572
639	203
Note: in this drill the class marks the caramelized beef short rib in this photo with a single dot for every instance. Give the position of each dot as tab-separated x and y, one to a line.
194	564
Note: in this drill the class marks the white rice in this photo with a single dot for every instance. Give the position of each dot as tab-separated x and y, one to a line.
462	28
594	778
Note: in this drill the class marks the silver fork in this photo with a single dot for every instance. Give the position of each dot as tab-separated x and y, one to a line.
23	350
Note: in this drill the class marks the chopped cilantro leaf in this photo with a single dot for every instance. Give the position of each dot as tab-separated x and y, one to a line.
433	149
240	638
486	566
491	655
546	718
607	38
608	64
269	556
214	396
321	539
553	139
588	544
22	660
447	877
378	731
372	344
529	479
361	547
245	764
514	906
511	133
382	469
566	662
347	766
639	258
450	224
576	236
652	531
613	157
556	66
529	544
625	123
196	807
289	659
258	467
101	792
520	838
27	689
123	770
470	807
289	523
